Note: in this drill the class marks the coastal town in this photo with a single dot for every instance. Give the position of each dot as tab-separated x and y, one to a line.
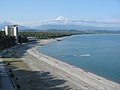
59	45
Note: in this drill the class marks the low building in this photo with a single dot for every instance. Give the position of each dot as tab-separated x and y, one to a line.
31	39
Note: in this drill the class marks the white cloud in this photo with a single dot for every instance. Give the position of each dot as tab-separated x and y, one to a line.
29	23
63	20
110	20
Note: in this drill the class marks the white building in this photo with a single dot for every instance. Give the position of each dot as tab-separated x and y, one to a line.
31	39
12	30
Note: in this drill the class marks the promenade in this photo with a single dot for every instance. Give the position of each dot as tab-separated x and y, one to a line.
5	82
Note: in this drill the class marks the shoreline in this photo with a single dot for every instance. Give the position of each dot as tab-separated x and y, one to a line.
38	71
75	74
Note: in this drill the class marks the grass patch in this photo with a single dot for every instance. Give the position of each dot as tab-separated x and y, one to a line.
17	62
10	60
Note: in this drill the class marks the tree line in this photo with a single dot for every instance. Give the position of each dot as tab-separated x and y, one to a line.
9	41
44	35
6	41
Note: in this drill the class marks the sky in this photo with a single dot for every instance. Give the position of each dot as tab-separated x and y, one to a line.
21	10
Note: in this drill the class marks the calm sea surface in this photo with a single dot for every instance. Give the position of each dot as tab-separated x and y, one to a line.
99	54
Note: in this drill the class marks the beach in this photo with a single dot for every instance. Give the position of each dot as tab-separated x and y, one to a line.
47	73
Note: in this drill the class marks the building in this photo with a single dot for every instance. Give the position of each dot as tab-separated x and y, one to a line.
31	39
12	30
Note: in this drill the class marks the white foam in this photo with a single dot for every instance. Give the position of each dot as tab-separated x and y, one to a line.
82	55
85	55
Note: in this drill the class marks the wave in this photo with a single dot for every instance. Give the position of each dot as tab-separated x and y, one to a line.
83	55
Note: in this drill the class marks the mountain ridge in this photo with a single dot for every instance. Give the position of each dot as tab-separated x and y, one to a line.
65	23
5	23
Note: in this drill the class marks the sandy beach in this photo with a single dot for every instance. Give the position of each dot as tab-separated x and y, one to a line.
47	73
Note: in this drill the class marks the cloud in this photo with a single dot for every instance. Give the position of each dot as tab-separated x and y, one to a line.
110	20
29	23
62	20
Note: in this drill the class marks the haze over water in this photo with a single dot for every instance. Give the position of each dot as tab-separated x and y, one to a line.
99	54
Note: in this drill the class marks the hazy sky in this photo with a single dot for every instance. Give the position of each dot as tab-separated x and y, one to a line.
49	9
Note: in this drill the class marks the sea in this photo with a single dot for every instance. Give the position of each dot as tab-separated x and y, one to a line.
96	53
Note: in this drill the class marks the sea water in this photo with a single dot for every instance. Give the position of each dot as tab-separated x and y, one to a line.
96	53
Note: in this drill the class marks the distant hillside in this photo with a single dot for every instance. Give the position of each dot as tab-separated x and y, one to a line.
2	25
65	23
72	26
62	23
23	27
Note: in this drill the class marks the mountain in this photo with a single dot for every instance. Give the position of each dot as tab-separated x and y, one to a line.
73	26
64	23
21	27
5	23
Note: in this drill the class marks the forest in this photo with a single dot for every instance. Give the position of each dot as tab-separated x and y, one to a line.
44	35
6	41
9	41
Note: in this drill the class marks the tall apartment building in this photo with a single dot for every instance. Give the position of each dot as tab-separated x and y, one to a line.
12	30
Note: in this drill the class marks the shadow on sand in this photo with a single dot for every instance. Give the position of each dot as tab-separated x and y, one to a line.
33	80
36	80
21	49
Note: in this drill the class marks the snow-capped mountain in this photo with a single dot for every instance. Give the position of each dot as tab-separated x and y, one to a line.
60	18
65	23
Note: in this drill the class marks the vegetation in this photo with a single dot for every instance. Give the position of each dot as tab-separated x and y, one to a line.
7	42
12	75
22	39
44	35
2	33
18	86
